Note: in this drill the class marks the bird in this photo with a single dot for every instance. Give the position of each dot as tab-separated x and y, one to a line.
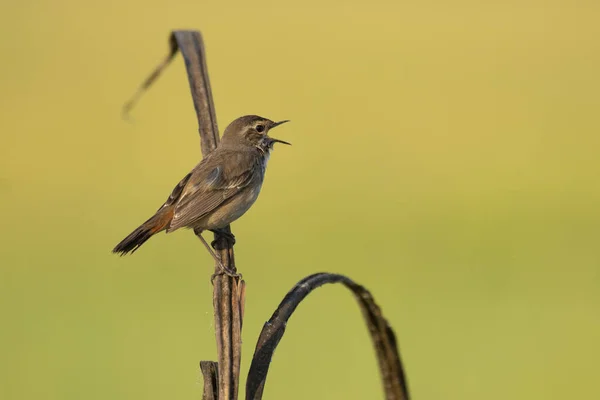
218	191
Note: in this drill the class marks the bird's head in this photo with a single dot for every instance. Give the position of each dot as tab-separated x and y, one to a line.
251	130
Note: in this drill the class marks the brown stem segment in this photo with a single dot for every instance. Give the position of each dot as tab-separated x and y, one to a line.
191	45
211	379
382	335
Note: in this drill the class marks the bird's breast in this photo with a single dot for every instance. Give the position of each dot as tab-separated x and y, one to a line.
234	208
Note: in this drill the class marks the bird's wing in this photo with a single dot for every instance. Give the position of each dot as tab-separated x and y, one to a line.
177	191
216	179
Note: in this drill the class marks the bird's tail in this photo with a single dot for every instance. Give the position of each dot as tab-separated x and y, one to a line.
138	237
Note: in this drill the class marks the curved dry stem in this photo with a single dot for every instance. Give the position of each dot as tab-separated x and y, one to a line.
383	337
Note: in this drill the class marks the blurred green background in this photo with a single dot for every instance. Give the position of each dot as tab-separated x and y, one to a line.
445	155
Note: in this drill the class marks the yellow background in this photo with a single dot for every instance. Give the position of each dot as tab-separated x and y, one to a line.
445	155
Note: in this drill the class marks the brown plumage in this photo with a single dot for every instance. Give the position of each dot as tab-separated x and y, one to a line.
220	189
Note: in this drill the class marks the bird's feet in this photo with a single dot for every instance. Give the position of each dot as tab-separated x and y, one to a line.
223	270
222	233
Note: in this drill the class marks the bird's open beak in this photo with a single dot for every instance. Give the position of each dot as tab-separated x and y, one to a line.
273	140
279	123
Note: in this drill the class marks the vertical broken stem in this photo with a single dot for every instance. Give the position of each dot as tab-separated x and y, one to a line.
227	291
228	294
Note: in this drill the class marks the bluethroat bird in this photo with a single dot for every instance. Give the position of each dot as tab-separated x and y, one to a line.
219	190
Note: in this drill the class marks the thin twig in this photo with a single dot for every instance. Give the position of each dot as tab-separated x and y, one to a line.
150	80
382	335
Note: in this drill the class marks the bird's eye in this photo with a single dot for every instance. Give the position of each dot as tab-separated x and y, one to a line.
260	128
